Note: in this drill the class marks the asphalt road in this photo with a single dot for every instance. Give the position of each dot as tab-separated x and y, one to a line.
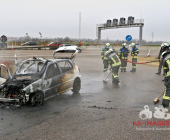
100	111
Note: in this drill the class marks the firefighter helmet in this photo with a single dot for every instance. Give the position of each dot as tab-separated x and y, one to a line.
164	45
132	44
108	44
124	44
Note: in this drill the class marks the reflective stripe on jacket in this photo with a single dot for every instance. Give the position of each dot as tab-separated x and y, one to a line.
167	68
104	50
164	96
135	51
115	61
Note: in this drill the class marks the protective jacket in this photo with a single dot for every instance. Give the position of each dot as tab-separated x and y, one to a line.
123	53
166	96
135	51
115	62
166	65
104	50
113	59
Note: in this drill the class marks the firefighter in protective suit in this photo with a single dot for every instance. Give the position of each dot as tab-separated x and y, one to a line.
114	61
164	47
165	59
104	58
123	55
134	53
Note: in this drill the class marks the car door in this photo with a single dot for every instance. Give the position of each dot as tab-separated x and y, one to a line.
52	79
53	44
4	74
67	76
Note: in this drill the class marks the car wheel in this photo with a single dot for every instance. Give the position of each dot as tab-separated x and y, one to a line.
37	99
76	85
79	51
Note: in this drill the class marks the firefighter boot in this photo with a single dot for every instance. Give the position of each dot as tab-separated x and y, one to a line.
132	70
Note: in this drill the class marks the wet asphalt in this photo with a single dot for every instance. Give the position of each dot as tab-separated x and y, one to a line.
100	111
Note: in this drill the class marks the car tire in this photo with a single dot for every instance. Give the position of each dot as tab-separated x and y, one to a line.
37	99
76	85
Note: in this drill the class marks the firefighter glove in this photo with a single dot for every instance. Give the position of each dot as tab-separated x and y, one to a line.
132	55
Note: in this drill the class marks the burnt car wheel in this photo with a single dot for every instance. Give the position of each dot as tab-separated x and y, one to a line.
37	99
76	85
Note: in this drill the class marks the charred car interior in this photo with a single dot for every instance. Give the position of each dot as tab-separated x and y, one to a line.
37	79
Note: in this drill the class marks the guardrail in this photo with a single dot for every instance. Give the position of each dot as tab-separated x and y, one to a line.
31	48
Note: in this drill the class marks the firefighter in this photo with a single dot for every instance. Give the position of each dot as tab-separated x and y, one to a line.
134	53
114	61
123	55
164	47
165	60
104	58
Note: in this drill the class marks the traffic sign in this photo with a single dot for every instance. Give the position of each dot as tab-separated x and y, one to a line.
3	38
128	37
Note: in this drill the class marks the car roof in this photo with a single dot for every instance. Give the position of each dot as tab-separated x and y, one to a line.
43	59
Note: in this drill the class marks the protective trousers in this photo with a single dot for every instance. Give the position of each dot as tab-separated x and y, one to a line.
160	67
115	78
166	97
123	64
134	64
106	64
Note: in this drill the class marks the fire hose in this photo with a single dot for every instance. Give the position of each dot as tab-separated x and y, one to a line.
140	62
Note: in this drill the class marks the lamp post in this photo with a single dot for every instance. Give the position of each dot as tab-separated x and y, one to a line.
27	36
40	35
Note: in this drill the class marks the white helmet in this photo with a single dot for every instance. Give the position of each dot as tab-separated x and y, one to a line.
107	44
164	45
132	44
124	44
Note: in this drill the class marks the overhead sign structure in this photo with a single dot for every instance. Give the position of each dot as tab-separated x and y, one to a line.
128	37
114	24
3	38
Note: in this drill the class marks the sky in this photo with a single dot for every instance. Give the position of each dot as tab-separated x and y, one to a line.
60	18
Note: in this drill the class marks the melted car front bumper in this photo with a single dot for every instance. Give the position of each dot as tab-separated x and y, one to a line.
8	100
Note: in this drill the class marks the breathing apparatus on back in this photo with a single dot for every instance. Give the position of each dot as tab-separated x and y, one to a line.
110	53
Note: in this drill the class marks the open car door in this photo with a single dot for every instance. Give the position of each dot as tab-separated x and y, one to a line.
4	73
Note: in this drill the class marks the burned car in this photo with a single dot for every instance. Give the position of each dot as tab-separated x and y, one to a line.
37	79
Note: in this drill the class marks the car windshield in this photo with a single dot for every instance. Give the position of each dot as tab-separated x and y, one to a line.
30	66
52	43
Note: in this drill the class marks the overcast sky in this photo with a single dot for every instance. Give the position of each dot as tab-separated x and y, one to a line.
60	18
